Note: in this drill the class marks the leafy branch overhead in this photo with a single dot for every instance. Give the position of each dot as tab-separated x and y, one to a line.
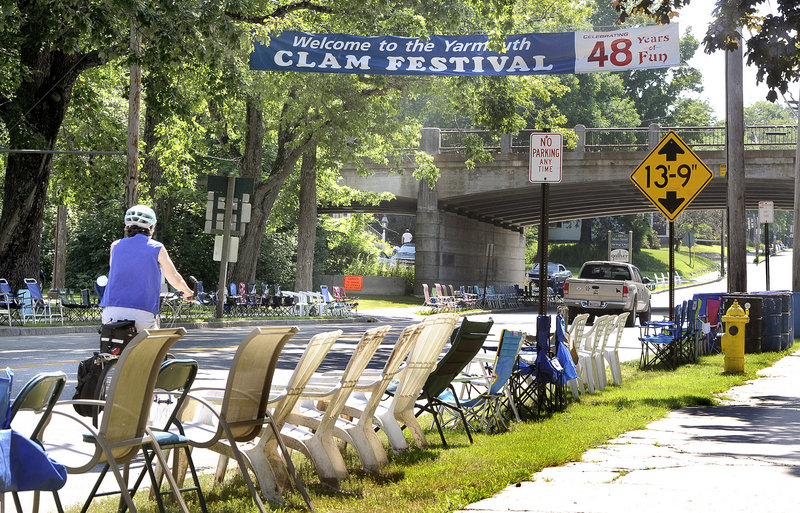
772	40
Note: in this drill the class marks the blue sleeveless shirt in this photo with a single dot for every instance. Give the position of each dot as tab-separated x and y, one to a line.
134	280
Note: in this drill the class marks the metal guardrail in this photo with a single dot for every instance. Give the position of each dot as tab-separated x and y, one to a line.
628	139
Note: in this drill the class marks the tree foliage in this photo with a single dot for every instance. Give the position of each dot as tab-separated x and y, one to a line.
773	45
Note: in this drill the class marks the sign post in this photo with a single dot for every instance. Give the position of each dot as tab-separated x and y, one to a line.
766	215
546	151
671	177
227	212
620	247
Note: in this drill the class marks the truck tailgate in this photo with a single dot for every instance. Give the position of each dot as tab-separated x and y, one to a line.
598	291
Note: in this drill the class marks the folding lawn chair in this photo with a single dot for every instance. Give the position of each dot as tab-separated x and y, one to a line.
123	428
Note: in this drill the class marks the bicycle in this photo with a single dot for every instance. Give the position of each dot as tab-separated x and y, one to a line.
174	306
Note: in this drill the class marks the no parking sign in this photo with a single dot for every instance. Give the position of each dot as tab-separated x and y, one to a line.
545	158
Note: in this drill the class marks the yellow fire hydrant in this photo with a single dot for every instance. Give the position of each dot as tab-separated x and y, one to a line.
733	337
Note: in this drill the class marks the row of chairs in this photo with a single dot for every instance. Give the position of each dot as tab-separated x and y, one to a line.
29	304
246	301
254	420
681	339
662	280
595	347
443	298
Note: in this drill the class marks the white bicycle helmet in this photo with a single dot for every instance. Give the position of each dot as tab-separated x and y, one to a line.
140	215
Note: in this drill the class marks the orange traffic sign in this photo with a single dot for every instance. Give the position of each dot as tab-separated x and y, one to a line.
671	176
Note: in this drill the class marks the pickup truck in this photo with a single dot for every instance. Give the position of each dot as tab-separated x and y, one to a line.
557	274
608	287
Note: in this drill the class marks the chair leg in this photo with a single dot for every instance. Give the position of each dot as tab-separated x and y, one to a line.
461	414
433	412
243	468
163	461
297	481
93	493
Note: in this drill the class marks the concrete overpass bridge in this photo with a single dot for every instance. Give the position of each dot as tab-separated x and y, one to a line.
469	209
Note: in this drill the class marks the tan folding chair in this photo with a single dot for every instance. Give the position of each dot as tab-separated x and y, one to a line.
123	427
241	414
282	403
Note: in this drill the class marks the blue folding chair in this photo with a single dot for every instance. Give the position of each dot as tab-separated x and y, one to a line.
660	341
484	411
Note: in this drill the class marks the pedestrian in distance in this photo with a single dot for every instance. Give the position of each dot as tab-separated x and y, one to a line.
407	237
134	280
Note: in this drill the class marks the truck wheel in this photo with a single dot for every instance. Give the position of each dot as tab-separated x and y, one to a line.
645	316
630	322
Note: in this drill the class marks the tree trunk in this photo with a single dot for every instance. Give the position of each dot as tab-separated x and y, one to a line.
33	117
586	231
60	259
134	111
307	225
265	191
152	171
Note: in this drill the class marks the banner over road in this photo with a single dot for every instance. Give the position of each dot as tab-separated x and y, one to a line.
526	54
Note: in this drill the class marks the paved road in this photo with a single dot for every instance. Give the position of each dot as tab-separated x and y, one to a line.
214	348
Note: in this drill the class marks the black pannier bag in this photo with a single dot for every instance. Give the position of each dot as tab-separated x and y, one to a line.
114	336
91	377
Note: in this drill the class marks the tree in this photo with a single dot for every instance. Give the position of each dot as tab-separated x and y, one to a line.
772	46
767	113
47	47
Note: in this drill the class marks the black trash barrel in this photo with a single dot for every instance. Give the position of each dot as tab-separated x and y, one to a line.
787	337
795	314
752	332
771	308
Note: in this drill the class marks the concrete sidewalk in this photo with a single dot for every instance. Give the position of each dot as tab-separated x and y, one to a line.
742	456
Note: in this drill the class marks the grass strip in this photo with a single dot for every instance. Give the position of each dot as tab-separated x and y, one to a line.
439	480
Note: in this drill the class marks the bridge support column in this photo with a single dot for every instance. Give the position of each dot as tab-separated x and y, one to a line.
426	266
451	248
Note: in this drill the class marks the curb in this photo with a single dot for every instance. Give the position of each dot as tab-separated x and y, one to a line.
22	331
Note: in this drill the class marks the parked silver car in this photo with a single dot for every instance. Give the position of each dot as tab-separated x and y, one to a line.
405	255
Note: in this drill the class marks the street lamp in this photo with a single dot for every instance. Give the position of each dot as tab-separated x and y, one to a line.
384	224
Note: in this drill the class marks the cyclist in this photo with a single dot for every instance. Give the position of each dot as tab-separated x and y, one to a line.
134	280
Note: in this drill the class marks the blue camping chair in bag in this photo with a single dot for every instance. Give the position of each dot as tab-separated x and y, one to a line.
541	376
24	465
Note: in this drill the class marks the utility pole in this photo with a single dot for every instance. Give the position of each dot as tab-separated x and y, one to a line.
737	255
796	221
134	110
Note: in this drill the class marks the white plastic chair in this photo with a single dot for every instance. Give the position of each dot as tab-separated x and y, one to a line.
365	399
611	354
601	379
586	352
576	334
398	409
310	430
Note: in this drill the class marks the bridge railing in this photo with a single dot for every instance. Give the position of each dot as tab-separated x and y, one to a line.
626	139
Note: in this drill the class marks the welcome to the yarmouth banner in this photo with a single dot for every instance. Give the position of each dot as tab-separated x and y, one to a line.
526	54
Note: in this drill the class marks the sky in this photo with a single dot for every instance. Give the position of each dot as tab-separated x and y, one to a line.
697	15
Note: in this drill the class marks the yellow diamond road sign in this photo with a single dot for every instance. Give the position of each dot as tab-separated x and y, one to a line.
671	176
